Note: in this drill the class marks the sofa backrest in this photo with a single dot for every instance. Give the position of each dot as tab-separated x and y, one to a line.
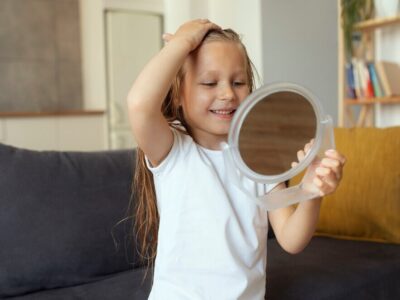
59	218
366	205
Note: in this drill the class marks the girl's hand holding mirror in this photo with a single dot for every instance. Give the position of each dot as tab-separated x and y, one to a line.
328	173
324	174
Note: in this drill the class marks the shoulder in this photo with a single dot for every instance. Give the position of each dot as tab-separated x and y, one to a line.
182	147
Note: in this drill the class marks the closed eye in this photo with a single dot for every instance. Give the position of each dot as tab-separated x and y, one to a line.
209	83
239	83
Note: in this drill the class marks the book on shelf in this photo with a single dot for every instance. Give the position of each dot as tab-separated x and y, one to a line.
375	80
356	83
368	87
361	82
372	79
351	91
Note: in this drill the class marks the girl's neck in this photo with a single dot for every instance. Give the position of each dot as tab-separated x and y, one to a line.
208	141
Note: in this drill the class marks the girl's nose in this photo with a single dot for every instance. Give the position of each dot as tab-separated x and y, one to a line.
226	92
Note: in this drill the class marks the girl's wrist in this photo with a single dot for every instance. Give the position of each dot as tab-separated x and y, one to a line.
311	204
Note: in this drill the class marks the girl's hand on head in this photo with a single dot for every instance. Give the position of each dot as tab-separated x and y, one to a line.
191	32
167	37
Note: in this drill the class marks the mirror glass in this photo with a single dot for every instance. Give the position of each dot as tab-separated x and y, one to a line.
275	128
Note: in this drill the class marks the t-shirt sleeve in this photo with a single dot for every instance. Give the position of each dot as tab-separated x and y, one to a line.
171	157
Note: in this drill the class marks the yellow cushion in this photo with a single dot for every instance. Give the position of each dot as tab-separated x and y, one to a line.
366	205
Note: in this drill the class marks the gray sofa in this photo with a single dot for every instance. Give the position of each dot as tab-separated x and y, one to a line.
61	237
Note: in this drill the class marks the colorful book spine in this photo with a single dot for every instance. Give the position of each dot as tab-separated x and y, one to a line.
369	89
351	92
375	80
363	78
357	85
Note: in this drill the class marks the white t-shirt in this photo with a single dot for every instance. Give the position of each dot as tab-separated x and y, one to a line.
212	237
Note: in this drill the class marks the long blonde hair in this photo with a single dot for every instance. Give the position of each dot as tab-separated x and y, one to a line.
146	218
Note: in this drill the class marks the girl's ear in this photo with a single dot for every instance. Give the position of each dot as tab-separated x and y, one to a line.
180	98
180	101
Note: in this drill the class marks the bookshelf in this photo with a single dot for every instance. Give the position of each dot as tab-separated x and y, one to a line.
360	112
377	23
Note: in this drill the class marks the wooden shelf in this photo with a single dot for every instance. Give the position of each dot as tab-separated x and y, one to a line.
377	23
365	117
51	113
367	101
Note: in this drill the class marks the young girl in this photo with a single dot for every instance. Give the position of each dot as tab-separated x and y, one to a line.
208	239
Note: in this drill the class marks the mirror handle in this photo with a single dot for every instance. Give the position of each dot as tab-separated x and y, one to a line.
328	138
286	197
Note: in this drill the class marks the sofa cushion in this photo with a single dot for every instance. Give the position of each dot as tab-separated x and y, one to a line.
120	286
366	206
333	269
58	214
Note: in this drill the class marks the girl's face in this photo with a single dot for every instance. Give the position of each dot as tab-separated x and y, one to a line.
215	83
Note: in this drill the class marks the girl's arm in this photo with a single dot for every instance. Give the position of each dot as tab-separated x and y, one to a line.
295	226
146	96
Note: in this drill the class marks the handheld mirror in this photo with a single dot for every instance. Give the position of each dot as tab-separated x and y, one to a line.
267	130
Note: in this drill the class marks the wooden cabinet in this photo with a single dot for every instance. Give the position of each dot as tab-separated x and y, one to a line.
74	131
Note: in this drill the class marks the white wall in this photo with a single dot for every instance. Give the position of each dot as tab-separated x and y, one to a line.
300	44
244	16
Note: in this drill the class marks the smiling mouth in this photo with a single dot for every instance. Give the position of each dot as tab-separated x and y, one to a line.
223	112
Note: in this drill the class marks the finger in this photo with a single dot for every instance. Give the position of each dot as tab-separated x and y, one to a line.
326	185
332	153
328	175
294	164
308	146
321	171
211	26
208	23
319	184
331	162
300	155
167	37
335	165
331	181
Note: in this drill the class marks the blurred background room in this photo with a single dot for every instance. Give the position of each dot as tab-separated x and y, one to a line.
66	65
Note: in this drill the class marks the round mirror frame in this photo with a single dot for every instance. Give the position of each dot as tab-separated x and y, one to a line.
240	115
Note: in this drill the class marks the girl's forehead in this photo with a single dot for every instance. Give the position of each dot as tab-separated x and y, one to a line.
212	54
218	48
